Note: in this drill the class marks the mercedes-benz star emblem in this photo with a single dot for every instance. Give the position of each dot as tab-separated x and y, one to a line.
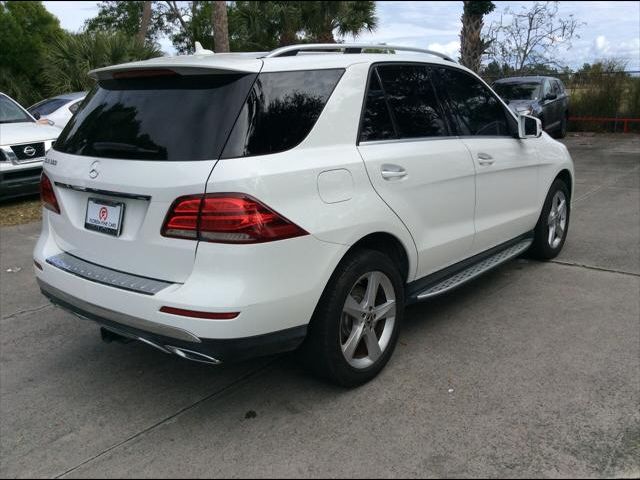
29	151
93	173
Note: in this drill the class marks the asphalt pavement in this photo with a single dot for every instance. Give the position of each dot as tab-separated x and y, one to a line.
531	370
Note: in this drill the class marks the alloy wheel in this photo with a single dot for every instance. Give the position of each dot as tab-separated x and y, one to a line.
557	220
367	319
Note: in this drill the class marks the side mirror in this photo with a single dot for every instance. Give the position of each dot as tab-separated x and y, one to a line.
551	96
529	127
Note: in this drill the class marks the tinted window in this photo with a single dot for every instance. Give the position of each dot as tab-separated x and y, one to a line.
376	121
157	118
10	112
475	110
48	106
280	111
412	101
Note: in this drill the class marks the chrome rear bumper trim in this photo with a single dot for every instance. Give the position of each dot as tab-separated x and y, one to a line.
109	193
107	276
93	312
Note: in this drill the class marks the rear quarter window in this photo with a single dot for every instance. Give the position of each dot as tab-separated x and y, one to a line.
280	111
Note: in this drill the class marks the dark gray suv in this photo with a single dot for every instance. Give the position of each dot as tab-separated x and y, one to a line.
542	97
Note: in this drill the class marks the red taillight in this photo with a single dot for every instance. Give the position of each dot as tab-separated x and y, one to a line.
47	195
197	314
227	218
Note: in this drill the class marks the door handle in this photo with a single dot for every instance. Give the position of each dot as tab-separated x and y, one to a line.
485	159
392	171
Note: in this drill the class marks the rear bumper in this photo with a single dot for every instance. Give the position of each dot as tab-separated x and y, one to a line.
275	289
174	340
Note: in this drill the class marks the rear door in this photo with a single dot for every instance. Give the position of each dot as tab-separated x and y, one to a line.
417	165
507	167
140	140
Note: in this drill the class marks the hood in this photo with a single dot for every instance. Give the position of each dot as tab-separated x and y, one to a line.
26	132
521	104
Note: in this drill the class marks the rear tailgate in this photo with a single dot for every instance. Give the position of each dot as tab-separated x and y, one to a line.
139	142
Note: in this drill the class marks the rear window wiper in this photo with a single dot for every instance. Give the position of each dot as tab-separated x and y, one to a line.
123	147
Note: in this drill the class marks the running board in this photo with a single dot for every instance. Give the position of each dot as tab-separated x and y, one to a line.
474	270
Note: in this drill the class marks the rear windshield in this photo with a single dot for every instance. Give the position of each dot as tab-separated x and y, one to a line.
174	118
47	106
518	91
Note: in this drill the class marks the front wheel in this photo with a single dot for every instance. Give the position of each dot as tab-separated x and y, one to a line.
552	227
355	327
562	130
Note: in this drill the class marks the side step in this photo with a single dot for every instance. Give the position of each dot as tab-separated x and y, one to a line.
469	272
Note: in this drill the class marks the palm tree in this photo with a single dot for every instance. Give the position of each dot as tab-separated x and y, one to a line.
70	58
322	18
472	45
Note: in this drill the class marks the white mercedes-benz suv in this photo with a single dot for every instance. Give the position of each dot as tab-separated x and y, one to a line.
219	207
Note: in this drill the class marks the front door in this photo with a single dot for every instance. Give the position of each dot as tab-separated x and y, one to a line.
506	166
417	166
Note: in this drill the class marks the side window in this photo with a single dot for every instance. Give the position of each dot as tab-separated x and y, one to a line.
280	111
376	121
555	87
546	88
412	100
474	109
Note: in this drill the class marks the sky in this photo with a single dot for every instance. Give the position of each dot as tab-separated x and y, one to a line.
611	28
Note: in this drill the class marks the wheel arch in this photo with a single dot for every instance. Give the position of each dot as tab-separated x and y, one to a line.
387	244
565	176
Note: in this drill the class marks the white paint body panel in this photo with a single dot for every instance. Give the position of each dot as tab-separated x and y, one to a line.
440	213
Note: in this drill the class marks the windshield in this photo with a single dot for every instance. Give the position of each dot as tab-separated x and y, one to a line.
175	118
10	112
517	91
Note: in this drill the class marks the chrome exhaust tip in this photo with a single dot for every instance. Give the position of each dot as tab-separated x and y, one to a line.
193	356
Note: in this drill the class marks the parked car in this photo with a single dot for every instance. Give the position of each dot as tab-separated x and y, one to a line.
23	143
58	110
219	207
543	97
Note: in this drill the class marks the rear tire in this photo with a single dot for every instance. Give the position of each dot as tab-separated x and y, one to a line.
553	225
354	329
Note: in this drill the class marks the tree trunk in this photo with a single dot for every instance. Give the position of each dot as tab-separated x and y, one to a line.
220	27
326	37
472	47
144	24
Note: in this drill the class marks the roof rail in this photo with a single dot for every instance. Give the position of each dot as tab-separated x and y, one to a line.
292	50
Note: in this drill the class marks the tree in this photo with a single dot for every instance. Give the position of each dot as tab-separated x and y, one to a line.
472	45
256	25
144	22
321	19
27	29
220	26
147	20
531	36
71	57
